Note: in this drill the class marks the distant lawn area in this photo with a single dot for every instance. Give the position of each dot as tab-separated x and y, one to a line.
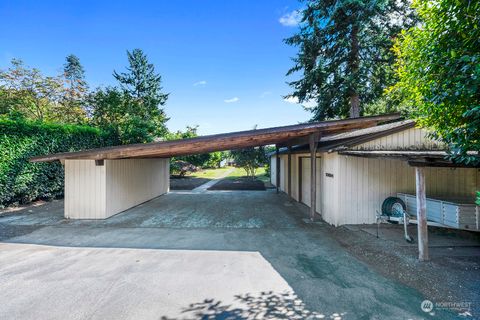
236	180
209	173
239	172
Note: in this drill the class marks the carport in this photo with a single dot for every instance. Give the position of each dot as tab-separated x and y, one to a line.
102	182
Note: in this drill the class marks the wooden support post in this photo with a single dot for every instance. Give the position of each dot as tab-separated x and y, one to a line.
289	170
277	168
421	214
313	174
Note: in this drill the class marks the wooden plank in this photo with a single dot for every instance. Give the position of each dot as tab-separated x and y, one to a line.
219	142
313	174
277	168
422	226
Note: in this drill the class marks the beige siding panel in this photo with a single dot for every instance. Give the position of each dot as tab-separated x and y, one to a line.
84	190
130	182
364	183
283	173
330	203
273	170
413	138
98	192
294	177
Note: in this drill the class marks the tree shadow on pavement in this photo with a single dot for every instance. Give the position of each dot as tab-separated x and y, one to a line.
266	305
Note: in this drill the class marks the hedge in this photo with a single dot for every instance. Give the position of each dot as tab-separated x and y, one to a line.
22	181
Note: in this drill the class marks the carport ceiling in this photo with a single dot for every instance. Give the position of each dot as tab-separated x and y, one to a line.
220	142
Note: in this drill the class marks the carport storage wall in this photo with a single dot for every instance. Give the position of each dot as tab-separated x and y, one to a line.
351	189
100	190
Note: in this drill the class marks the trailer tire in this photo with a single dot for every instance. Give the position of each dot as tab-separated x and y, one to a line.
389	204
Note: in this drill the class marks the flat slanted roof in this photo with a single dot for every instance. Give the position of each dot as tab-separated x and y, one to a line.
415	158
220	142
342	141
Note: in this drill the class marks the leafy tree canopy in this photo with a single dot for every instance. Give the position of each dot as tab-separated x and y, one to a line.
249	159
132	111
204	160
27	91
344	53
438	65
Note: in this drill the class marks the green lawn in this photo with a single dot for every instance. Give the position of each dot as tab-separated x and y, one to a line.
239	172
236	173
209	173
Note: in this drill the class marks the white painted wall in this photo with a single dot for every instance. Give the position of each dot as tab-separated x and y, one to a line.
98	192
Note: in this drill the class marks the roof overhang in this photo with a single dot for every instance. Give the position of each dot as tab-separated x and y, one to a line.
343	141
415	158
221	142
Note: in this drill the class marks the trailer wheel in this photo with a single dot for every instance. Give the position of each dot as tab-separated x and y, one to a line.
391	206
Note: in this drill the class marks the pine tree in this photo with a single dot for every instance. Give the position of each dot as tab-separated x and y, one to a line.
143	84
73	110
142	98
344	53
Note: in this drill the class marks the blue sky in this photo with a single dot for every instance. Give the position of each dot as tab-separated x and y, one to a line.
223	62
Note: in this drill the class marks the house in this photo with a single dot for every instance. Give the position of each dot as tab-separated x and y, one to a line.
102	182
357	170
360	162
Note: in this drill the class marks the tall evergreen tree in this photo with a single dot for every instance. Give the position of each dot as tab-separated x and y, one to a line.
73	105
143	84
132	113
344	53
74	72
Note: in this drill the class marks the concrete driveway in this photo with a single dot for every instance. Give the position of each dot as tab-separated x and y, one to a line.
187	255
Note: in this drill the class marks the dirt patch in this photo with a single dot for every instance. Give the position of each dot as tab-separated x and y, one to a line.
186	183
242	183
446	278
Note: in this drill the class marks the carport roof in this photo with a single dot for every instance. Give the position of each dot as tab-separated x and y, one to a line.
220	142
342	141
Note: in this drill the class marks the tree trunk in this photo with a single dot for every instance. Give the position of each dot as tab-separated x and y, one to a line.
354	62
354	105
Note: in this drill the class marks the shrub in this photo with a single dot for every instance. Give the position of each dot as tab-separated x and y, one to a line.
181	168
22	181
249	159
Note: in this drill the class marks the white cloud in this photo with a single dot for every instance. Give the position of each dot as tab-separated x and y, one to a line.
307	104
291	19
200	83
232	100
265	93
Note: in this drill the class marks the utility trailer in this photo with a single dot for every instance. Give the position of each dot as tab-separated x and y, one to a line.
452	213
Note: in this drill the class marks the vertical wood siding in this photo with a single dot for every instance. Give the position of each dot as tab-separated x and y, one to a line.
130	182
84	190
273	170
365	183
98	192
413	138
359	185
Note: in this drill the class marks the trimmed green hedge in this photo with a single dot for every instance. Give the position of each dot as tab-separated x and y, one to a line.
22	181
